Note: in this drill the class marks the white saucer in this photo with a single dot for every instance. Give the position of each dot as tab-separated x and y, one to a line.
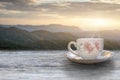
105	55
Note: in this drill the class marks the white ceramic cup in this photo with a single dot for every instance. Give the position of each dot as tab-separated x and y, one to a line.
87	48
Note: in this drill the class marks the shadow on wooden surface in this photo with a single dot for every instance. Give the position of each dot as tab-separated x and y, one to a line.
89	71
107	64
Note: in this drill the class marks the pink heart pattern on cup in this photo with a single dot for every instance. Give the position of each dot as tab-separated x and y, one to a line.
89	47
97	45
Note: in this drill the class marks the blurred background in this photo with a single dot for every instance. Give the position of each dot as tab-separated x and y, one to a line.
51	24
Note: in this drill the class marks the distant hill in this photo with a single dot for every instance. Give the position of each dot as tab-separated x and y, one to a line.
16	35
51	28
14	38
51	37
47	35
113	35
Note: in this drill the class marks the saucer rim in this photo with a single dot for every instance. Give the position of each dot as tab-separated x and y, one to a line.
80	58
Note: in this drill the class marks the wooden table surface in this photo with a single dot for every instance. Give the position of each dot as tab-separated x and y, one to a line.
53	65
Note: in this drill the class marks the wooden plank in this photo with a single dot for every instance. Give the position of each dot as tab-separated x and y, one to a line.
53	65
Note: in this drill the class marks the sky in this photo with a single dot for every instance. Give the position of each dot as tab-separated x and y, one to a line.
86	14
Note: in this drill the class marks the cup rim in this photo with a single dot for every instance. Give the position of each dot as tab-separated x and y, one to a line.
89	39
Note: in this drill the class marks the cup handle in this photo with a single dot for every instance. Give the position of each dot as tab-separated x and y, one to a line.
70	49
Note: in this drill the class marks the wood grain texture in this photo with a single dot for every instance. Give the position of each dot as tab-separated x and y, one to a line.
53	65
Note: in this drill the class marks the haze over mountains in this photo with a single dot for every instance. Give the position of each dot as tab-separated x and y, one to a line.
51	28
74	30
48	36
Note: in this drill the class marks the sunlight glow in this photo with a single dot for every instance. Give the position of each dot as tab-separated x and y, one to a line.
92	23
98	22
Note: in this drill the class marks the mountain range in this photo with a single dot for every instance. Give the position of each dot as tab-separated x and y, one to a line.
50	27
50	36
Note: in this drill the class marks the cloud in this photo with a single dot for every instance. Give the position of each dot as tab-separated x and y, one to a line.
38	5
19	1
80	8
24	5
107	1
38	8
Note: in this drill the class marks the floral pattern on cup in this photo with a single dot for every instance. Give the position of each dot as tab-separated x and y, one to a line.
89	47
97	45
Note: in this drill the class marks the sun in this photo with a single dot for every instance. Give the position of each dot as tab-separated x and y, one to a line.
92	23
99	22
